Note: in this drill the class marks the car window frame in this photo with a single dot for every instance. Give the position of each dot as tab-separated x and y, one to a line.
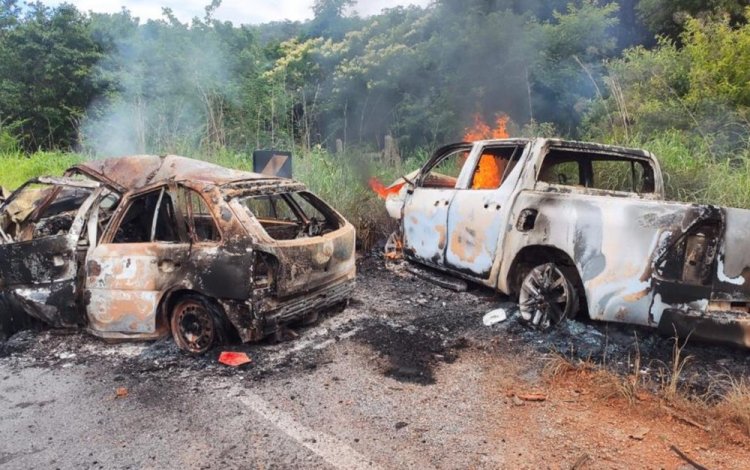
469	168
179	215
124	206
603	155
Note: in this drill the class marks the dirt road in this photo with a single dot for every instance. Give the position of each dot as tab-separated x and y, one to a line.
406	377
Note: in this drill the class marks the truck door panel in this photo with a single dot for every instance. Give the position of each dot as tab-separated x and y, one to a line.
478	214
425	217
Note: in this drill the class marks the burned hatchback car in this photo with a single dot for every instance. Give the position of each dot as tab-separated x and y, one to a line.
136	247
571	227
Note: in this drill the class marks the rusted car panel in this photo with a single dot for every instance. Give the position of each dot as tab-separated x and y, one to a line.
42	240
138	171
179	238
595	212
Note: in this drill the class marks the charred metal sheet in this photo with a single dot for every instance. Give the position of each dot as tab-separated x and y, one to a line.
714	326
67	182
13	317
733	267
439	279
318	300
139	171
261	187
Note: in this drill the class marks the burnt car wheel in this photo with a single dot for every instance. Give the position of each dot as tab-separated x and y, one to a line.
547	296
194	325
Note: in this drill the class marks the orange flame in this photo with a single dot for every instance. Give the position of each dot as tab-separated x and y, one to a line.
382	190
488	173
481	129
490	169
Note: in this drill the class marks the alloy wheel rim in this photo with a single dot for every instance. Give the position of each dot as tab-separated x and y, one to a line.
545	296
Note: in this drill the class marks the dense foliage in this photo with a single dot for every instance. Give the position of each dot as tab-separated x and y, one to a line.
668	75
110	83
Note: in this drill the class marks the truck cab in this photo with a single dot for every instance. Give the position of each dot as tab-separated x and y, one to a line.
573	227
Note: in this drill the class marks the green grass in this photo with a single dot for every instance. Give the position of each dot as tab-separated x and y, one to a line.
16	168
693	174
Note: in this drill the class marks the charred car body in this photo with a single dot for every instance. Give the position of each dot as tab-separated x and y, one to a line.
574	227
136	247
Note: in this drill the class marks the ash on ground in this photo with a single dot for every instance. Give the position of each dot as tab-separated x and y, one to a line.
411	326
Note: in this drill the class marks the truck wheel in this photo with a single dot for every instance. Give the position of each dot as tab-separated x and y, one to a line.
195	324
547	296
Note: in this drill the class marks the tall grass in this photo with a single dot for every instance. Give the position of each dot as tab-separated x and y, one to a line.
693	174
16	168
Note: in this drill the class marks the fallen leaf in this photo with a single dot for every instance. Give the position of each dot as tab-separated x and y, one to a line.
234	359
640	434
121	392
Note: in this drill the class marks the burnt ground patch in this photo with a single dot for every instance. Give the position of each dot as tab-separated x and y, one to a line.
619	347
409	354
18	343
411	325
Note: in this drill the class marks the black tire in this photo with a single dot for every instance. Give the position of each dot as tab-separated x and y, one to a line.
196	324
547	296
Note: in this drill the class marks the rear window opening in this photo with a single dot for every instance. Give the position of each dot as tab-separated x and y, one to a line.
597	171
292	215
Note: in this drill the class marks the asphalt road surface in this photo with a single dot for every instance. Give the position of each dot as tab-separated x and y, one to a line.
406	377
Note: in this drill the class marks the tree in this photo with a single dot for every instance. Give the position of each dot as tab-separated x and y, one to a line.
46	83
667	17
328	20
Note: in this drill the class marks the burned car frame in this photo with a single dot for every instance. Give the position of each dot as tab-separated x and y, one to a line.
572	227
136	247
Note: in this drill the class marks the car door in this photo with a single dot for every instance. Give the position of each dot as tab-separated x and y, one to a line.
425	216
41	226
477	214
140	253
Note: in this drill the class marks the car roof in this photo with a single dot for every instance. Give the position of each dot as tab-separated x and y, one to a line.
569	144
137	171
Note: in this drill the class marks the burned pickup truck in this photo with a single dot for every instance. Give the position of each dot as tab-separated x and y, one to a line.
578	228
136	247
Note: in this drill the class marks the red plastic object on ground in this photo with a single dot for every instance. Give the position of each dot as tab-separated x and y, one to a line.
234	359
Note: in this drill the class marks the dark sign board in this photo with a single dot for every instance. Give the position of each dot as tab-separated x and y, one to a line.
273	163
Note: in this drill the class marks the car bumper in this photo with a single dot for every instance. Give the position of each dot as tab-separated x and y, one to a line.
715	326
